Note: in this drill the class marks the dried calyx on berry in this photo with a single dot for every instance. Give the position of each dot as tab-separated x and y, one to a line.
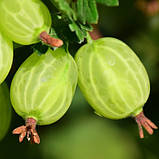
28	130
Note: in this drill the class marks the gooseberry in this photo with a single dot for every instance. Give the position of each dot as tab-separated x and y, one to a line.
26	22
114	81
6	56
42	90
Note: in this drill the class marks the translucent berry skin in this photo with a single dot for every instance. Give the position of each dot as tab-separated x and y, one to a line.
44	85
112	78
6	56
5	110
24	20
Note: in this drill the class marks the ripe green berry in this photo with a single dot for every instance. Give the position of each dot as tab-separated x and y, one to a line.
114	81
5	110
24	20
6	56
42	90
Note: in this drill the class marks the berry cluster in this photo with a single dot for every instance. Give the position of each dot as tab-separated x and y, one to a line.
111	77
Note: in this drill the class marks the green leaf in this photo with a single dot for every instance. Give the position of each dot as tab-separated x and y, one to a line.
87	11
60	28
109	2
65	27
81	34
64	7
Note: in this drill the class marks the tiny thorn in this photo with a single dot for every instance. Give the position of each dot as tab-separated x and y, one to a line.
47	39
29	131
143	121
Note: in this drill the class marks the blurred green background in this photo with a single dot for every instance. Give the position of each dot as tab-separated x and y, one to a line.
81	134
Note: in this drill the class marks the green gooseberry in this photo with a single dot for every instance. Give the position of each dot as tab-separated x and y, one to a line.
5	110
114	81
42	90
6	56
26	21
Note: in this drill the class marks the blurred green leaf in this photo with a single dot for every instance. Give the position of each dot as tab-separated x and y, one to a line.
109	2
87	11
